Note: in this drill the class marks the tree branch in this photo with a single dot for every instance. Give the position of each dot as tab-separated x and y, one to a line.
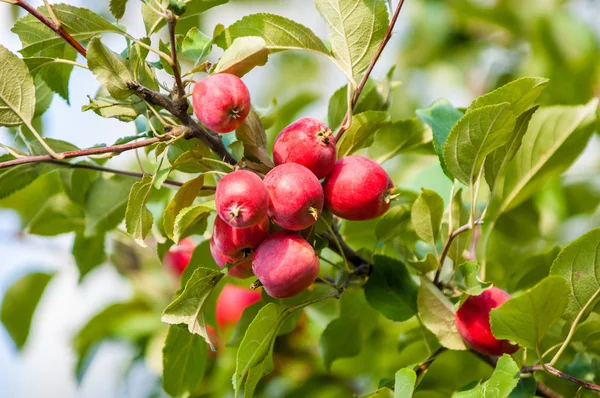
212	140
363	81
120	172
52	25
86	152
558	373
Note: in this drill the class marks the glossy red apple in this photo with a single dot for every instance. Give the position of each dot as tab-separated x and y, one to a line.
286	264
357	189
178	257
232	302
295	196
473	323
243	262
241	199
221	102
231	241
308	142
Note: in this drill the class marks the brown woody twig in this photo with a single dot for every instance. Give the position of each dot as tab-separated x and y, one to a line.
363	81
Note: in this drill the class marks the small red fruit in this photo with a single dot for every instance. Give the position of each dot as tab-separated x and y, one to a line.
286	264
295	196
231	241
357	189
232	302
178	257
241	199
221	102
473	323
243	267
308	142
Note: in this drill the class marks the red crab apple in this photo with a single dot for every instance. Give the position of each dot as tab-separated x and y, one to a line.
221	102
243	267
295	196
357	189
473	323
178	257
231	241
308	142
241	199
285	264
232	302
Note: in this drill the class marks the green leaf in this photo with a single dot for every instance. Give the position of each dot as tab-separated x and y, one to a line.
278	32
428	264
88	253
525	388
555	138
371	99
252	134
77	182
17	99
188	307
476	135
404	136
141	71
244	54
109	68
106	203
254	356
117	8
521	94
188	219
426	215
526	319
437	314
196	45
184	362
40	41
125	111
530	270
60	71
43	96
58	216
391	223
19	304
404	383
183	198
244	322
154	22
361	132
138	219
579	264
441	116
500	384
391	290
496	161
470	273
13	179
355	29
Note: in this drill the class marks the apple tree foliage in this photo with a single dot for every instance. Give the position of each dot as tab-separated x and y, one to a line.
484	196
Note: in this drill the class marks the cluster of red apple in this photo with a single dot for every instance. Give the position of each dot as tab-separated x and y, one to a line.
291	195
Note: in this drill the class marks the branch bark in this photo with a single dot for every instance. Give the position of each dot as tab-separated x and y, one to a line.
171	22
553	371
86	152
363	81
49	23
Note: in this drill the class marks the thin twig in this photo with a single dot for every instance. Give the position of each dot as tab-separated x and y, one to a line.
363	82
85	152
451	238
171	22
49	23
558	373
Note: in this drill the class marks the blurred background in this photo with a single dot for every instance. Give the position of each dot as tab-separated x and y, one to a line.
454	49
